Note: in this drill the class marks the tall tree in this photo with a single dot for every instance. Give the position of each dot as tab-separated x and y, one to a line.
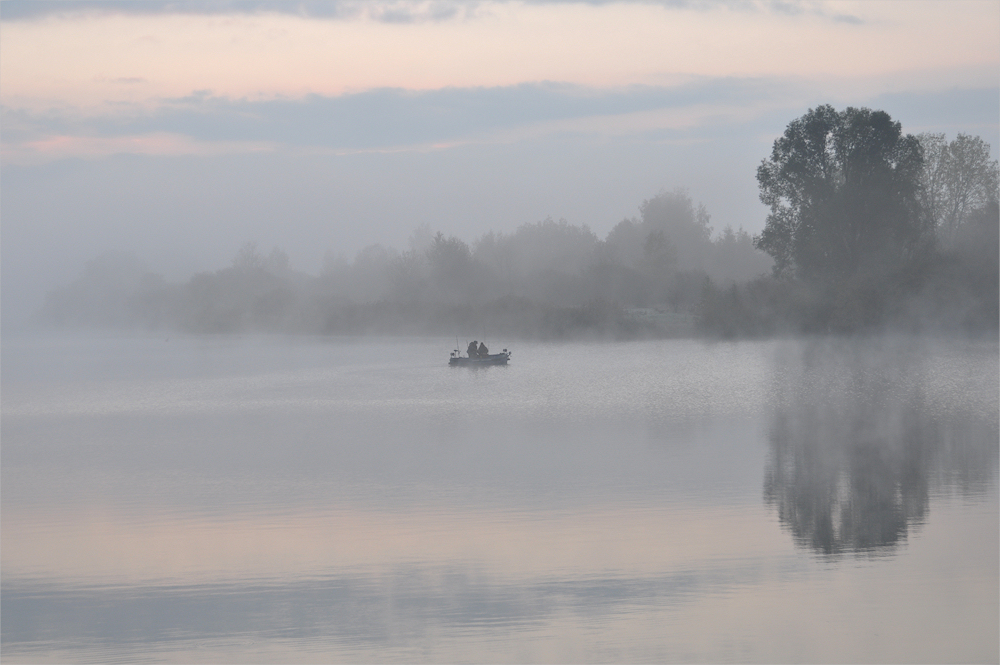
958	178
843	188
686	227
248	257
454	271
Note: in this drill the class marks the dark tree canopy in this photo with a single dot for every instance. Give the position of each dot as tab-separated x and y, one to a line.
843	188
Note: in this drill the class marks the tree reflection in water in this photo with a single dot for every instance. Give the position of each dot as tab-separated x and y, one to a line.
856	451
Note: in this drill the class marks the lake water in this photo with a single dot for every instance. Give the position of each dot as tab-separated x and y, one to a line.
226	499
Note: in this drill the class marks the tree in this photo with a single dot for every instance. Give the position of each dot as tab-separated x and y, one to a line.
248	258
114	289
735	259
497	251
674	215
958	178
550	246
454	272
450	257
658	254
277	261
843	189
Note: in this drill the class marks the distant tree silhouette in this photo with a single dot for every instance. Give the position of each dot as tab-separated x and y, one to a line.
277	261
371	273
248	257
683	225
115	289
407	275
496	250
843	189
449	257
965	290
552	246
454	272
958	178
734	258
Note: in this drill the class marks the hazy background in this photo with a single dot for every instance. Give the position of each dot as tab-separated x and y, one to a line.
178	132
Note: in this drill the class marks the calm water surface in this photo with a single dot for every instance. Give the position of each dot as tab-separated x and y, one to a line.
271	499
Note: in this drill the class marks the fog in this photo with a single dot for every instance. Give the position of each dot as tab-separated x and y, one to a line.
184	215
125	158
664	495
746	257
911	246
865	432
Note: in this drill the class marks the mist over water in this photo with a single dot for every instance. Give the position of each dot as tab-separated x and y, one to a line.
311	499
753	300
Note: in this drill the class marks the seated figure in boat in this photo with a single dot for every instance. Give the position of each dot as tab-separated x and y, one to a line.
483	351
473	349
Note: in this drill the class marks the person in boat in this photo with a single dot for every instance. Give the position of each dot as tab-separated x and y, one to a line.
473	349
483	351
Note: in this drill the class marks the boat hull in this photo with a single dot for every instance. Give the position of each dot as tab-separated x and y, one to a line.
487	361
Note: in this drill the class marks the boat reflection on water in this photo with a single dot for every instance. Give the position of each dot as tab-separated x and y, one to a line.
853	457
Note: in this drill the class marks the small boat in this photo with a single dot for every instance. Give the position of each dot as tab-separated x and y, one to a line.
458	360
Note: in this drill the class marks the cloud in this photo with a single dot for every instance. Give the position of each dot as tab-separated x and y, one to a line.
521	69
847	18
382	119
387	12
390	11
85	59
393	119
161	144
121	80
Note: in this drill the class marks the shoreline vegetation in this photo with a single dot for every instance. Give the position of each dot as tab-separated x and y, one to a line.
869	230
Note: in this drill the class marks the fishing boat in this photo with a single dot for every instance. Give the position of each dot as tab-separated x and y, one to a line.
458	360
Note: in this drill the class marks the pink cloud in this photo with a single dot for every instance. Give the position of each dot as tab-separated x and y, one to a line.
92	147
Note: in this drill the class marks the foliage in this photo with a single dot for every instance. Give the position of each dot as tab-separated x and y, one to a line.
963	292
675	215
237	300
450	258
843	189
958	178
115	289
734	258
496	251
855	209
455	276
670	233
552	246
248	258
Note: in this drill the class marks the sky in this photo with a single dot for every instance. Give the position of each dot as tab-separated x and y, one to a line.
180	130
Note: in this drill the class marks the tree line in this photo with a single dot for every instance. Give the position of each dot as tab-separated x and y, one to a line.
868	229
547	279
